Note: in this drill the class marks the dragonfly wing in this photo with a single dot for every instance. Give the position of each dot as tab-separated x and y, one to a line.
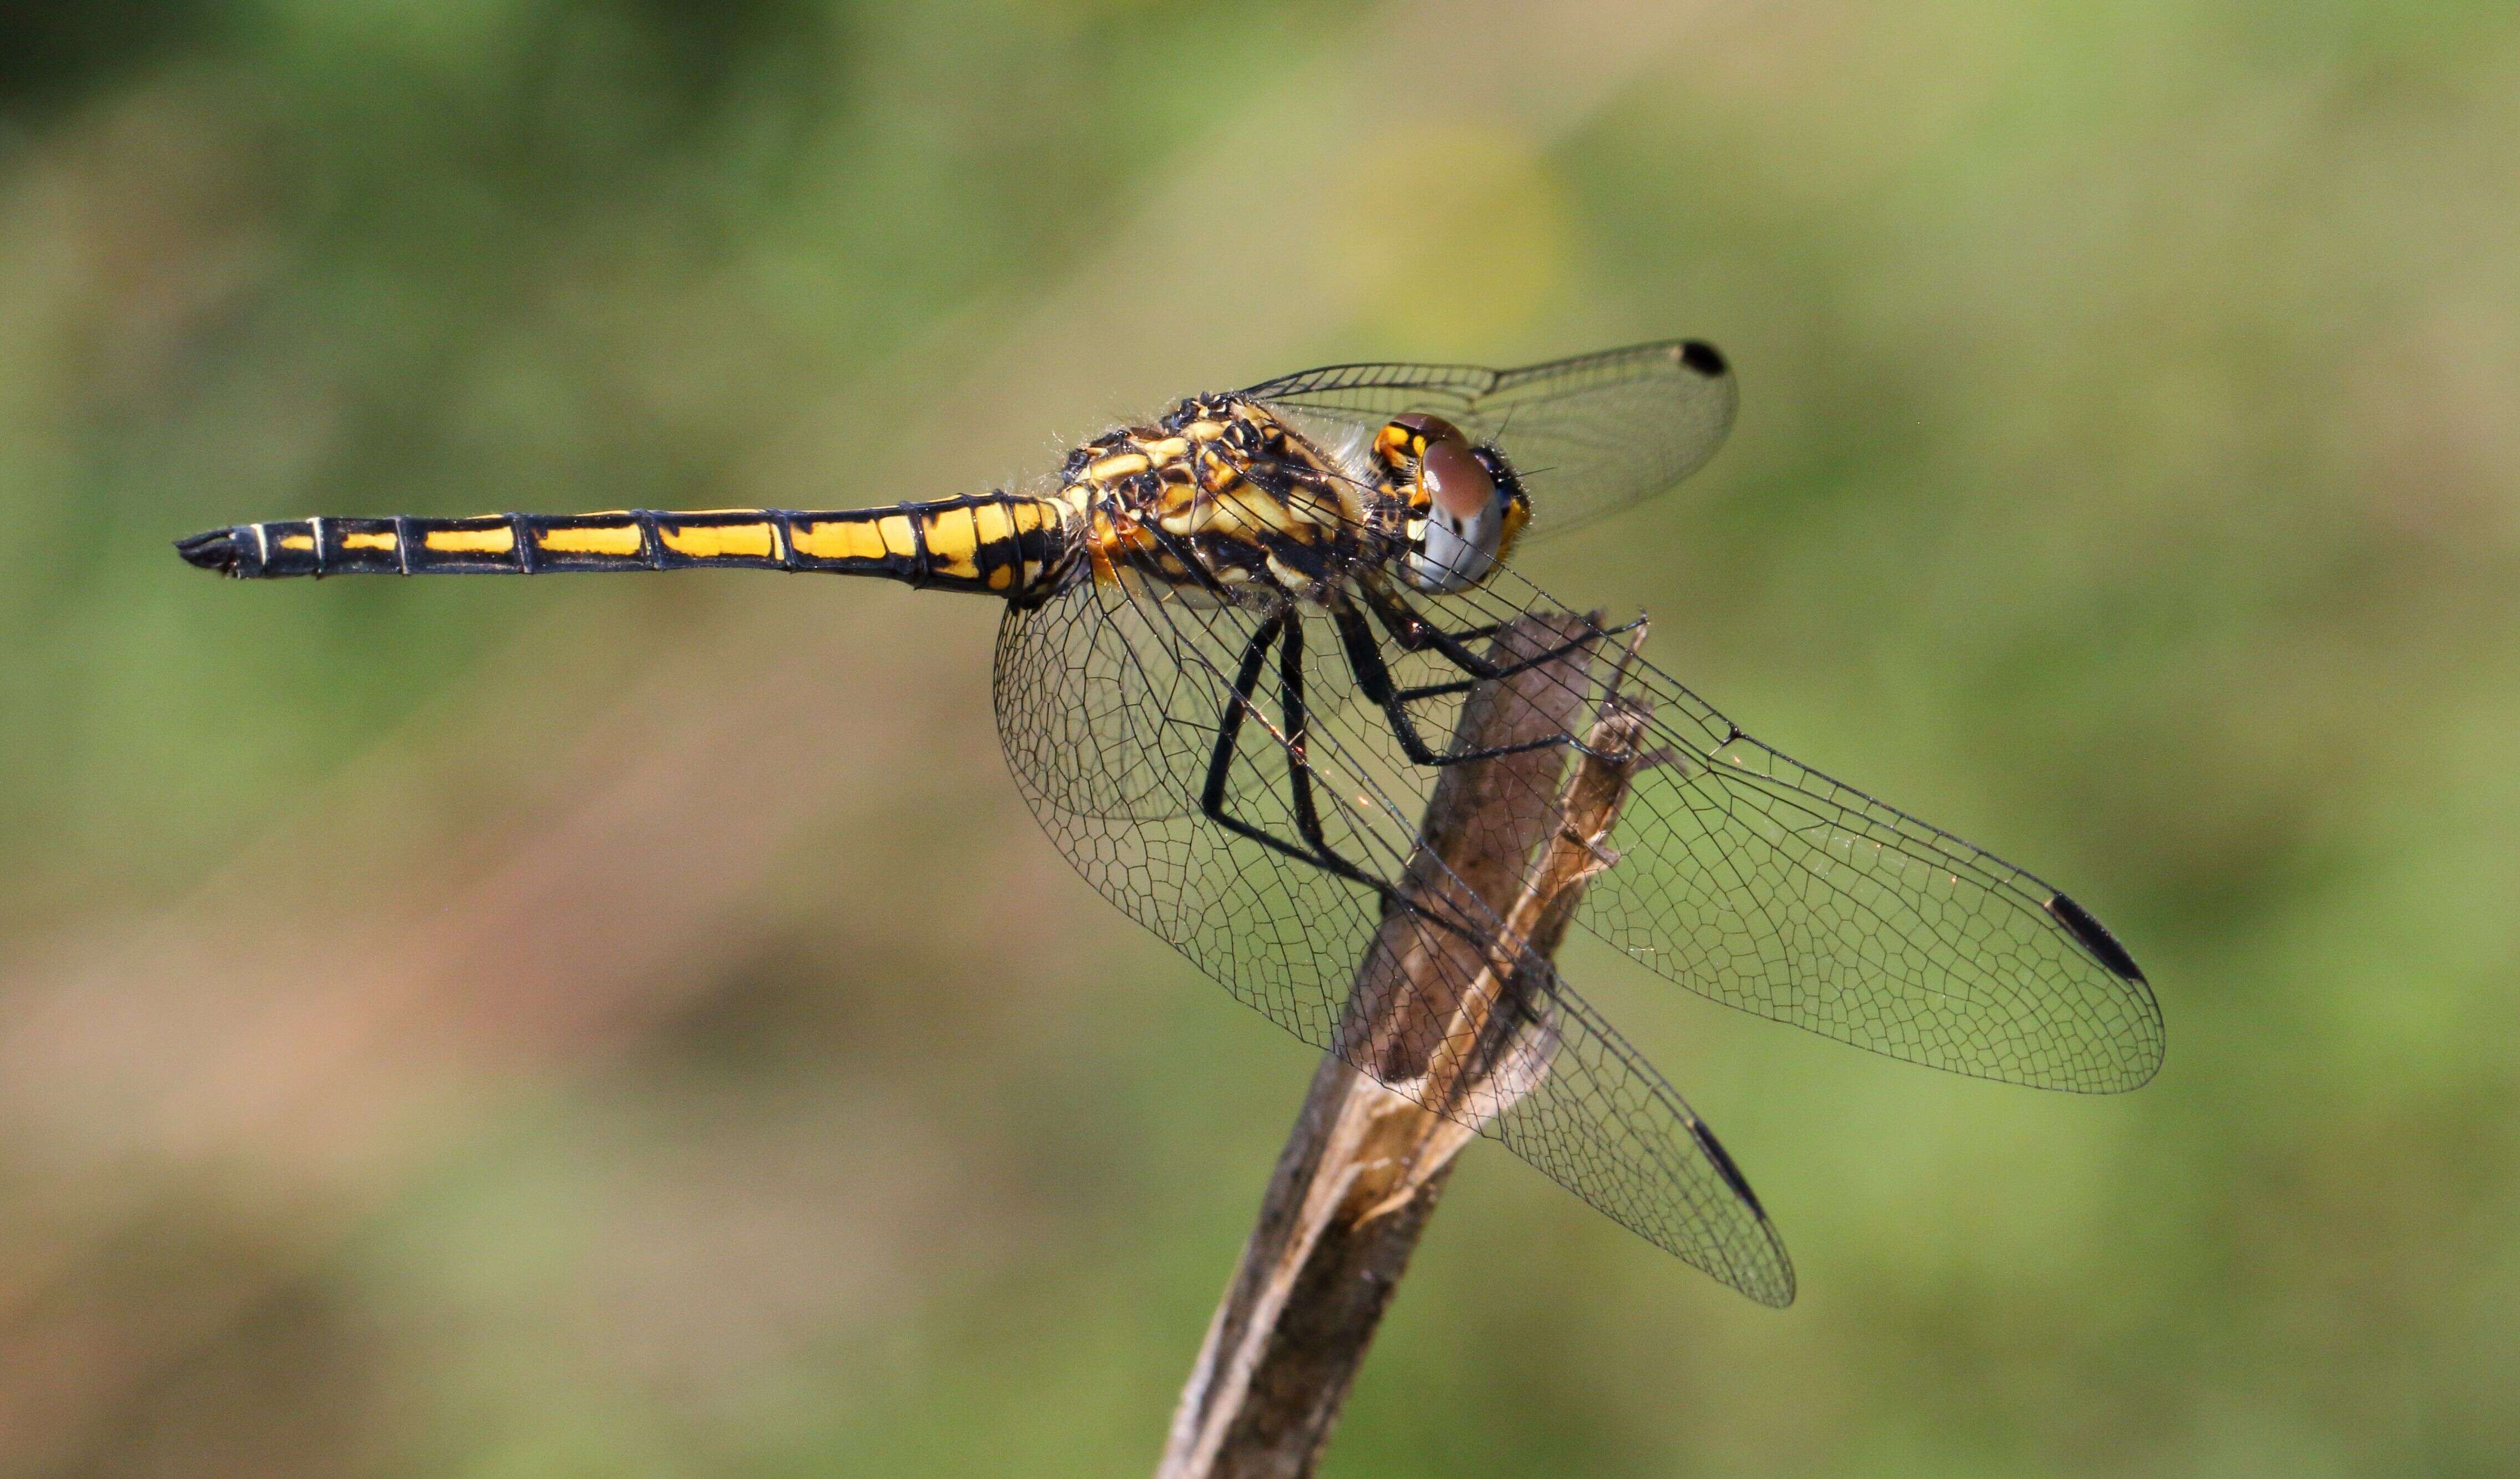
1765	885
1606	1125
1588	436
1111	704
1769	886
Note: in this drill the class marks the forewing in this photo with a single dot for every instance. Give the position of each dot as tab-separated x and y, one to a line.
1588	436
1758	882
1110	703
1768	885
1771	887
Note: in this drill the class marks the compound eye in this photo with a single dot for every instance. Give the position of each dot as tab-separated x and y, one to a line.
1455	480
1429	425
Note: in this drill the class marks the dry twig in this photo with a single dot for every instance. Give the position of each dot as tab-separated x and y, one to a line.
1364	1166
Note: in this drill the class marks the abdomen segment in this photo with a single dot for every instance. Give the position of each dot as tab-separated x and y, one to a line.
1001	543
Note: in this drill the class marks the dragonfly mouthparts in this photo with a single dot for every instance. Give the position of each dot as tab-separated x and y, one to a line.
213	551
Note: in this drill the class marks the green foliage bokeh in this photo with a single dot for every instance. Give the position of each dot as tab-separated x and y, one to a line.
2126	481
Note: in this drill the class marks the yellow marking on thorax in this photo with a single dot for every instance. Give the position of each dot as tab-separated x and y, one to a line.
717	541
607	539
1287	575
381	539
1214	499
498	541
1241	508
1108	538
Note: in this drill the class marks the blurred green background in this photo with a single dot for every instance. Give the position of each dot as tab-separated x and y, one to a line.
632	1027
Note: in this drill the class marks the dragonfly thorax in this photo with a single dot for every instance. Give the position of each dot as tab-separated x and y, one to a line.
1223	501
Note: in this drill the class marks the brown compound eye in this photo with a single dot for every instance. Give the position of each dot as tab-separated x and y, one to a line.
1455	480
1431	428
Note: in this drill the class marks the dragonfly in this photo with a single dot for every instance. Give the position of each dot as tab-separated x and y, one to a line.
1236	639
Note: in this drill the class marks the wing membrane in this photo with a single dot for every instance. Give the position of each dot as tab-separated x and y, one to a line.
1768	885
1589	436
1742	874
1109	702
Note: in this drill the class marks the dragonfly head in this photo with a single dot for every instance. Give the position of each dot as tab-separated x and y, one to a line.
1465	505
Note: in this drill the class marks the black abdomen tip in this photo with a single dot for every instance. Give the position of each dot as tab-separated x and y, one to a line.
216	550
2093	936
1704	358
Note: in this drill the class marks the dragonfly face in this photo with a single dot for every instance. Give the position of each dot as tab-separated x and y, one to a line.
1466	503
1234	643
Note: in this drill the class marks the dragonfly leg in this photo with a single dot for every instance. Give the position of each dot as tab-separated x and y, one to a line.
1299	771
1415	634
1283	627
1374	679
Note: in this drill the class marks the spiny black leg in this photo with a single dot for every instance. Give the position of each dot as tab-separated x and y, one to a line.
1229	731
1417	633
1229	727
1374	680
1241	702
1291	692
1414	633
1299	770
1480	934
1507	670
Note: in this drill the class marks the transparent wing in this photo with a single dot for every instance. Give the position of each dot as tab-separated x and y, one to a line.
1111	703
1762	884
1757	881
1589	436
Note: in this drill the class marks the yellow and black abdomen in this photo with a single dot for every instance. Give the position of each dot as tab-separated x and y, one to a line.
1003	544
